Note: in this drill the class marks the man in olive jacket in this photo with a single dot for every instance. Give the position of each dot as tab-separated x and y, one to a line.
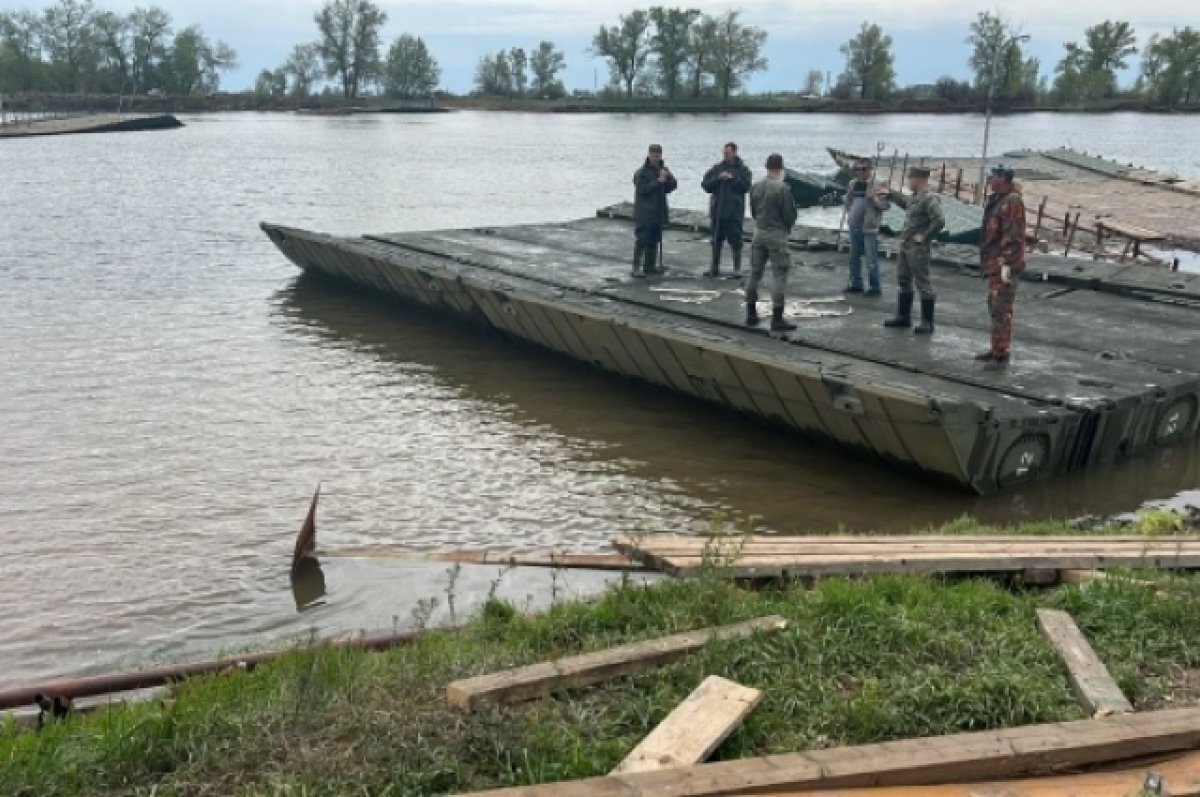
922	223
774	211
651	184
727	183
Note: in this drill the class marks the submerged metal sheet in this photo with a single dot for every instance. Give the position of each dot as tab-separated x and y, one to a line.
1078	393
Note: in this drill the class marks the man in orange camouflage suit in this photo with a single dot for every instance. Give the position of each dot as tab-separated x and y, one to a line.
1002	255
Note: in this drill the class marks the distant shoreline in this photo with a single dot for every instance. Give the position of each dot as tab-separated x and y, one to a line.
570	105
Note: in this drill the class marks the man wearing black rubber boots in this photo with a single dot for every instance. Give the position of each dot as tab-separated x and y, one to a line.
922	223
727	183
651	184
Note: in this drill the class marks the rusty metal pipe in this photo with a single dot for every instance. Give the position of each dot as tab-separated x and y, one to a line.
75	688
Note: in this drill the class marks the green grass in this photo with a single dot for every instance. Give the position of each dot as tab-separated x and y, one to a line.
862	661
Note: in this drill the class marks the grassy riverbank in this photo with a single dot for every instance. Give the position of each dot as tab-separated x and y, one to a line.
862	661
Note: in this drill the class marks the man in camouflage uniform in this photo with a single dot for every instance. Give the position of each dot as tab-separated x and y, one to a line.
922	223
1002	259
774	212
651	185
727	182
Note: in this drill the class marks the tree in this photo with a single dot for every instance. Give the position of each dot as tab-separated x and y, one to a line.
186	68
869	63
217	57
114	38
349	42
1109	46
814	83
669	44
493	75
271	83
737	53
626	46
411	71
1090	71
518	62
546	62
701	45
951	90
196	63
1171	68
993	39
305	68
20	50
1069	85
69	38
151	28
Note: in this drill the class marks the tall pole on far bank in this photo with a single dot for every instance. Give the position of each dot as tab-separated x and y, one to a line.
987	125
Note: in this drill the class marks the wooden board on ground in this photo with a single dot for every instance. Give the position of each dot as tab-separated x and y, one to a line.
524	683
1089	678
1180	778
1131	231
695	728
566	561
772	557
980	756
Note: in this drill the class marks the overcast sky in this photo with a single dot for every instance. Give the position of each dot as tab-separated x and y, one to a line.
804	34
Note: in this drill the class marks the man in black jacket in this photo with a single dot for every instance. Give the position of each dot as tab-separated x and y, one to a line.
651	184
728	183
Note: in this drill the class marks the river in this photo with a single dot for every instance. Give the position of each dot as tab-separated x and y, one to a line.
171	391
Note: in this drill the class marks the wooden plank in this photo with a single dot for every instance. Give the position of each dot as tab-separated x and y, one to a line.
567	561
700	539
1090	679
1180	777
830	564
765	549
678	543
1131	231
524	683
1091	576
695	728
984	755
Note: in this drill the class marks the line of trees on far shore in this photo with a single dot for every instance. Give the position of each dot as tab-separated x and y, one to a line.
74	47
656	53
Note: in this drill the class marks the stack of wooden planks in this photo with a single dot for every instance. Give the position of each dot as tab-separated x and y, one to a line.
798	557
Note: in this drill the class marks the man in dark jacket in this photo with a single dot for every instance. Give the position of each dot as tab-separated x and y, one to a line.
727	182
651	185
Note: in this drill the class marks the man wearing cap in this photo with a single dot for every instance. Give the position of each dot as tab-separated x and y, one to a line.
922	223
1002	259
727	182
866	201
651	184
774	212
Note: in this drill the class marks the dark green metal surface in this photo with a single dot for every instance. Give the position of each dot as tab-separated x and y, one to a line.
813	190
1097	376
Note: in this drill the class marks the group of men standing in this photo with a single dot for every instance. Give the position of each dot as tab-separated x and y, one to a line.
772	206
